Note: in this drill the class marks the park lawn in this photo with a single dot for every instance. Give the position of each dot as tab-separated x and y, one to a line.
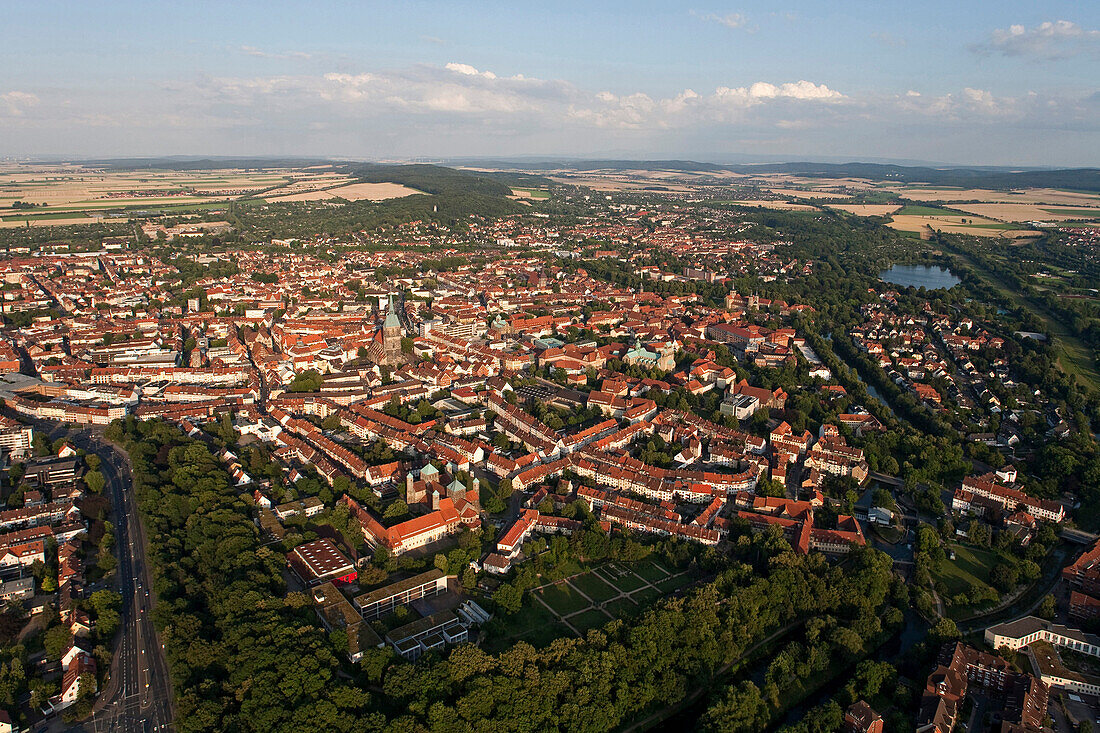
622	608
646	596
621	577
968	570
593	618
650	570
592	586
563	599
534	623
671	584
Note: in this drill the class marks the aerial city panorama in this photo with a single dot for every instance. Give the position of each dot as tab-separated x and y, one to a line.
602	366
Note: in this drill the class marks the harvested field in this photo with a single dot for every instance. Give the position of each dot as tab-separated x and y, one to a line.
815	194
352	192
777	205
983	195
954	225
1026	212
866	209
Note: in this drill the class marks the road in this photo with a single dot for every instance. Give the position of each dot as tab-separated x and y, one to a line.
138	696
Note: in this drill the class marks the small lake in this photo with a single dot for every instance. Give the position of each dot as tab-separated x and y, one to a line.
920	276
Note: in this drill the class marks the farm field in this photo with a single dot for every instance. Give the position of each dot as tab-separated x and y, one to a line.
982	195
530	193
1027	212
866	209
351	192
808	194
51	194
777	205
953	224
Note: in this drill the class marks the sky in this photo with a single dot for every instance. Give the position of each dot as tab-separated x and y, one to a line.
974	82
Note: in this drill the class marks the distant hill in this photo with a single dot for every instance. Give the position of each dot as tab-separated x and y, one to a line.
1084	179
593	165
188	163
432	179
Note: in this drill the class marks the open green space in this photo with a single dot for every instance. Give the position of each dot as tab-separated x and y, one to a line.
969	570
646	596
650	570
563	598
590	619
623	608
534	624
596	589
621	577
668	585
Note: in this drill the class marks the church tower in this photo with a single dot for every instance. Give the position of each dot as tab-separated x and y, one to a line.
391	335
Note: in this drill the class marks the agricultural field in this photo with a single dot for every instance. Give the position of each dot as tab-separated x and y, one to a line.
925	219
867	209
530	193
49	194
72	194
777	205
349	192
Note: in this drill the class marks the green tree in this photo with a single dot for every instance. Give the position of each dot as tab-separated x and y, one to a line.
95	481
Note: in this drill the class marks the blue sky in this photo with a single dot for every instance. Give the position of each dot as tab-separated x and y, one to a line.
956	82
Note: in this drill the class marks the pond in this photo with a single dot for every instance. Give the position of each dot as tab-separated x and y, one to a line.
920	276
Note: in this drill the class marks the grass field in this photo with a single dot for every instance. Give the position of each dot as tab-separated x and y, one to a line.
668	585
650	570
623	608
531	193
563	599
590	619
596	589
535	624
969	570
620	577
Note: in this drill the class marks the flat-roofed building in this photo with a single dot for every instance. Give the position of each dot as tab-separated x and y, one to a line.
14	435
431	633
337	613
319	561
1020	633
381	601
17	590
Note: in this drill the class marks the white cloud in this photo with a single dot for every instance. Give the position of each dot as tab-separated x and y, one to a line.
729	20
290	55
1049	40
15	103
458	108
467	70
